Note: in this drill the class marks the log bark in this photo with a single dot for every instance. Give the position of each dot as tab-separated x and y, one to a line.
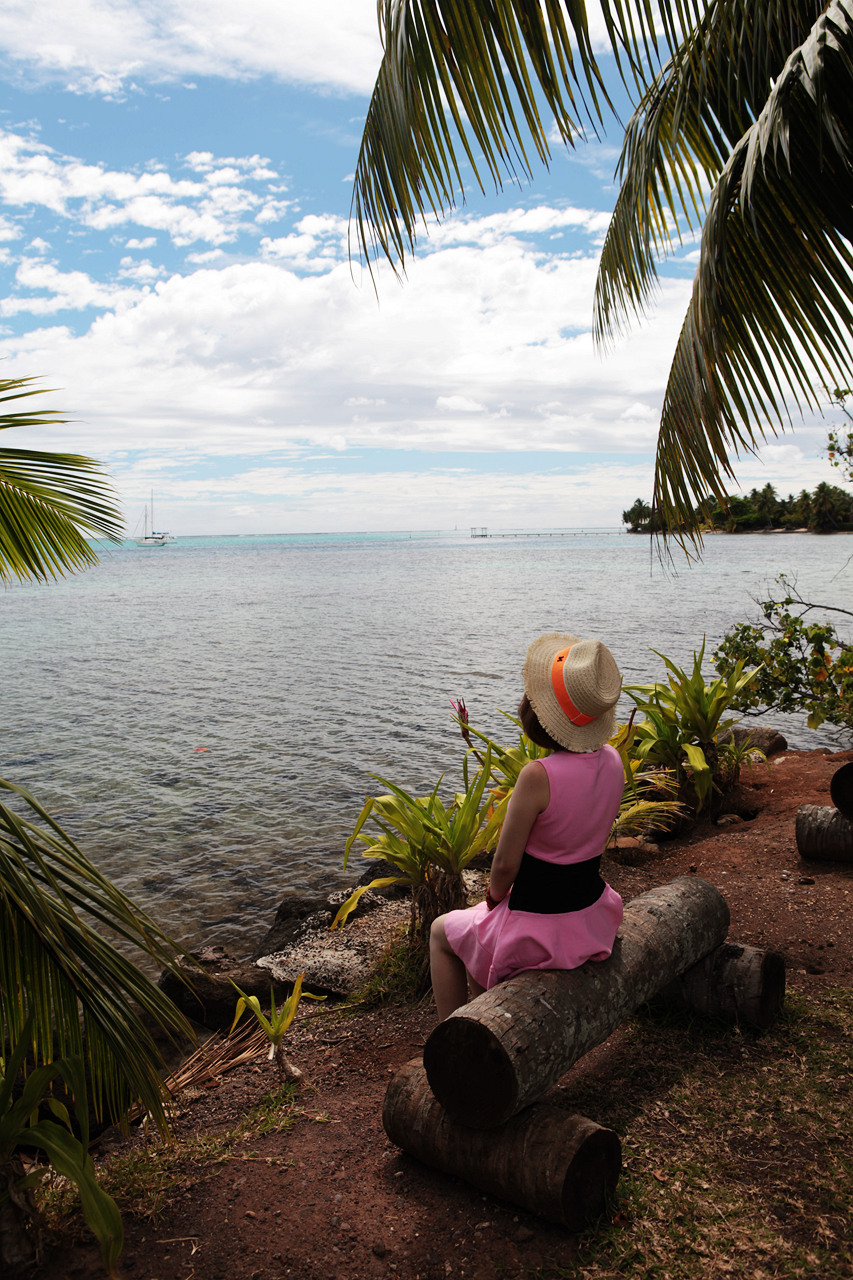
502	1051
741	984
562	1167
823	832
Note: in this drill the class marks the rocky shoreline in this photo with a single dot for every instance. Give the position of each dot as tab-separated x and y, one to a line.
335	964
299	941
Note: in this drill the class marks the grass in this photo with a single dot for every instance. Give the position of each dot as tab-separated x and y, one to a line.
736	1149
142	1179
398	977
737	1158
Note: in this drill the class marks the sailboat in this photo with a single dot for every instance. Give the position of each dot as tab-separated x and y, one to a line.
152	539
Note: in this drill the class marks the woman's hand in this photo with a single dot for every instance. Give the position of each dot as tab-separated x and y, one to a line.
531	794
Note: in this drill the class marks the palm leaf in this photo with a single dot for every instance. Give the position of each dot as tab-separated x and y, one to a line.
83	995
681	134
772	304
472	75
48	501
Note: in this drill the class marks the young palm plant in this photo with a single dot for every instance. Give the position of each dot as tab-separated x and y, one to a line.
275	1026
429	842
683	722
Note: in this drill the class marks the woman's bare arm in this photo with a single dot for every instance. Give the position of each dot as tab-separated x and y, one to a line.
530	796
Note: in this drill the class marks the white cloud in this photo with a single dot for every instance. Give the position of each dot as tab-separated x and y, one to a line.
105	46
459	404
65	290
290	499
215	205
481	348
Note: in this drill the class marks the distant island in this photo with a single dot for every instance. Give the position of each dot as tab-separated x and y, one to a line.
826	510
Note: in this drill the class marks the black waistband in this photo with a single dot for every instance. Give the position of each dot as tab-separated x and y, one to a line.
553	888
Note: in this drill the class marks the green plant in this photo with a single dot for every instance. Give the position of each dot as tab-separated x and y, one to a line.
49	502
683	720
648	792
505	763
805	666
21	1126
79	994
649	798
276	1025
840	443
431	843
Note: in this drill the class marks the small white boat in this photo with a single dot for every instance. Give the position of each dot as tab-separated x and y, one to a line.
152	538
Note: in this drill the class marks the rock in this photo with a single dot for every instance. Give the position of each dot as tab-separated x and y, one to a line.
300	941
338	963
290	921
770	741
294	913
208	996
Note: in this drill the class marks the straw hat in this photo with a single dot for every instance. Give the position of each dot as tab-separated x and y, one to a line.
573	686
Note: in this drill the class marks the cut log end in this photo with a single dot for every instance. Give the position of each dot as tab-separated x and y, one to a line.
823	832
739	983
562	1167
448	1054
505	1049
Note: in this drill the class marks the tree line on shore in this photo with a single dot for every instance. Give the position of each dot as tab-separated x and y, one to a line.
826	509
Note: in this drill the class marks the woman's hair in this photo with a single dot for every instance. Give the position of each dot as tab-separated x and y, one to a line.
534	730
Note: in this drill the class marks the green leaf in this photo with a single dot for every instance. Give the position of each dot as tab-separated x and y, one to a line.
49	502
346	908
55	965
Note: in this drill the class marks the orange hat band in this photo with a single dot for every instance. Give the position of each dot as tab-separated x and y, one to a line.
560	692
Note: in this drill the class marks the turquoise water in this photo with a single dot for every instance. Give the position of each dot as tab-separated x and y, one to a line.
202	716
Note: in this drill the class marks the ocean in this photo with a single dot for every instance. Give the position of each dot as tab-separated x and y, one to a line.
203	717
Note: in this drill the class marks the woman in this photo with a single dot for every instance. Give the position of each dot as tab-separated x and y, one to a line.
547	906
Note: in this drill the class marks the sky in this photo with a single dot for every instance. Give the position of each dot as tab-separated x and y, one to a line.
175	186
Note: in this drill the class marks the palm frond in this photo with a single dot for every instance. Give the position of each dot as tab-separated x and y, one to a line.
772	307
680	136
48	501
83	995
471	74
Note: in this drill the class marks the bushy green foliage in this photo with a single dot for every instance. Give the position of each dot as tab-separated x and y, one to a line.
21	1125
825	510
840	442
684	719
430	842
805	665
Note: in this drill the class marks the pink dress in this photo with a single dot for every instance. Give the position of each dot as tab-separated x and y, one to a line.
586	789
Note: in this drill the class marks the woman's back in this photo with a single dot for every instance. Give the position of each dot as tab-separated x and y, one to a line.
586	789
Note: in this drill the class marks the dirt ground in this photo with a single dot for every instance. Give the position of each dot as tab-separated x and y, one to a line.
330	1197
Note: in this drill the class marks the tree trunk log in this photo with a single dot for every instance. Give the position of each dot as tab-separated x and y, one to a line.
502	1051
823	832
739	983
562	1167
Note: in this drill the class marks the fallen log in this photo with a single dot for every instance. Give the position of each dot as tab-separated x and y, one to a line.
742	984
823	832
502	1051
562	1167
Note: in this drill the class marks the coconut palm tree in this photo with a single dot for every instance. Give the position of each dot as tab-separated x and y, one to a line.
750	99
59	975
